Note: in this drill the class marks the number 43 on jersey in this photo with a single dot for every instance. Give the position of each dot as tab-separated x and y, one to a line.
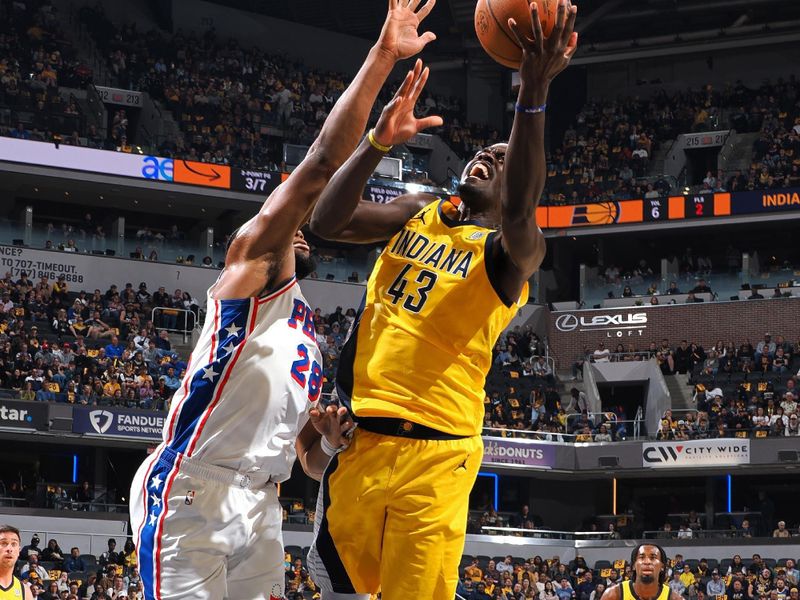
413	297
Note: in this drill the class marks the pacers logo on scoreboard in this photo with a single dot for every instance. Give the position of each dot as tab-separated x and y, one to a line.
601	213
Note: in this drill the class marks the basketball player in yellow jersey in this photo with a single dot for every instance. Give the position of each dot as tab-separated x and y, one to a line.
11	588
649	563
393	505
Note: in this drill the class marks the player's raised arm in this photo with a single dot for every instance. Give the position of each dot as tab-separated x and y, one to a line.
525	170
267	237
341	214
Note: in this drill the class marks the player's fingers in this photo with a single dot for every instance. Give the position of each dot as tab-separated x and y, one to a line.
426	38
572	45
417	68
569	28
419	84
428	122
558	26
413	4
406	85
425	10
536	26
521	40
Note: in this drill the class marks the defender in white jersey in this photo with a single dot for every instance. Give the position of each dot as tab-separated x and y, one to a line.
204	507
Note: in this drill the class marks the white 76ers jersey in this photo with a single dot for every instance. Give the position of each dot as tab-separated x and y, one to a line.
251	379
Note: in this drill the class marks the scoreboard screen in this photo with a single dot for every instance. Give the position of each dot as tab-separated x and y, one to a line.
656	209
670	209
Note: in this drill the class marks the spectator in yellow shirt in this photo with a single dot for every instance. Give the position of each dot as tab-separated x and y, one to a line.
688	579
473	572
110	388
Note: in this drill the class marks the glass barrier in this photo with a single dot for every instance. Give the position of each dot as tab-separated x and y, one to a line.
171	251
768	280
610	288
353	267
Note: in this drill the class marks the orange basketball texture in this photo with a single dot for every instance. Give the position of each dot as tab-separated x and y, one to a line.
496	37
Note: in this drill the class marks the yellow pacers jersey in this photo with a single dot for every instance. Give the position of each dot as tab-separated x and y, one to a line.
422	345
629	594
14	591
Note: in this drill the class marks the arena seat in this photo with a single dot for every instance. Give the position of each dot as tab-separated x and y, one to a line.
724	565
295	551
483	560
89	559
602	564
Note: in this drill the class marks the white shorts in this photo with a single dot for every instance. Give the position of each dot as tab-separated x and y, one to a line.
204	532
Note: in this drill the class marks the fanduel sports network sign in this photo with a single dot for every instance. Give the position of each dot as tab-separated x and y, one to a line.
696	453
107	422
507	451
19	414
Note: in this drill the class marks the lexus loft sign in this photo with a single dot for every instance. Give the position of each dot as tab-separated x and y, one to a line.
624	324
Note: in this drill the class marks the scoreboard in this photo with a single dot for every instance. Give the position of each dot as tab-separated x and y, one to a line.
669	209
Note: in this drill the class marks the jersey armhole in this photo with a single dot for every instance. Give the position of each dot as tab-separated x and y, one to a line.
492	270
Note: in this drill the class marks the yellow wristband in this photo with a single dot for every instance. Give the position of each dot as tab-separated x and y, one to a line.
375	144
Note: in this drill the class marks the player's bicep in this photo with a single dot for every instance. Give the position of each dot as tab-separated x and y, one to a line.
372	222
524	245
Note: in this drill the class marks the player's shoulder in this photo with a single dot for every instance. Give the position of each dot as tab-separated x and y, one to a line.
674	595
414	203
614	592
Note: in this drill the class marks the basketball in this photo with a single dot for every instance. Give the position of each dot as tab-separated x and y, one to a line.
494	34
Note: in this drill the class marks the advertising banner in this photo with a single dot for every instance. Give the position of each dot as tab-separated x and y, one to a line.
524	453
721	452
89	272
20	414
118	422
765	201
46	154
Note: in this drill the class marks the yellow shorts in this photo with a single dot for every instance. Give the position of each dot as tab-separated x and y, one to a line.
392	516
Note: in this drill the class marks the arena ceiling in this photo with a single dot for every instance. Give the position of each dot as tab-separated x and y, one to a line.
605	25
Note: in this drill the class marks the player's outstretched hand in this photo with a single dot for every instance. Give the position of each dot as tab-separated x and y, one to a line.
397	123
333	423
543	59
399	36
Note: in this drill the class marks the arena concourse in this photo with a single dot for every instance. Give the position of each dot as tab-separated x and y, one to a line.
648	390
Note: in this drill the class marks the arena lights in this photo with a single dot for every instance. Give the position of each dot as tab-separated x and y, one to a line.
730	493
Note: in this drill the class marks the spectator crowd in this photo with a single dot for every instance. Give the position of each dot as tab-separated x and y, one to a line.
237	105
517	578
98	348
